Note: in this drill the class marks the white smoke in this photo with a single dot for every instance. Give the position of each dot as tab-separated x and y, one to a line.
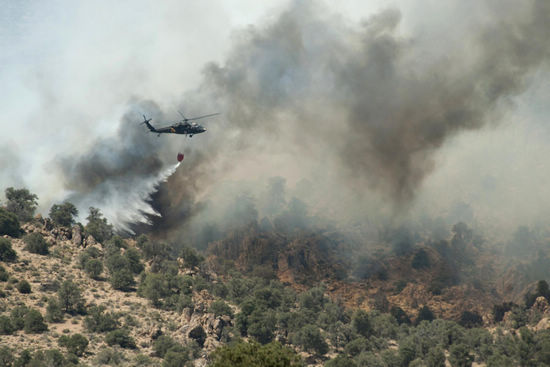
123	203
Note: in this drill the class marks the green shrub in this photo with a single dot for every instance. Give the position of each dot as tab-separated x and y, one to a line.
7	253
190	257
98	227
75	344
70	297
54	312
99	321
9	224
6	356
36	243
176	356
17	315
122	279
425	314
134	260
361	324
220	308
162	345
6	326
252	354
94	268
24	287
470	319
120	337
4	276
63	214
420	260
21	203
34	322
310	338
198	334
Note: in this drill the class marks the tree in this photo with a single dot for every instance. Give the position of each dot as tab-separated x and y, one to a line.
9	224
310	338
34	322
7	253
21	203
420	260
252	354
63	214
98	226
400	316
36	244
470	319
70	297
425	314
361	323
191	257
459	355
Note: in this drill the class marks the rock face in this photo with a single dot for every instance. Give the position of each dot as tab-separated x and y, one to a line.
77	235
541	305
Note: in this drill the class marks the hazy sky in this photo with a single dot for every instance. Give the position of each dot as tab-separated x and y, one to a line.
70	70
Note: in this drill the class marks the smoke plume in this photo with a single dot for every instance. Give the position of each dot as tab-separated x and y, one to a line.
359	110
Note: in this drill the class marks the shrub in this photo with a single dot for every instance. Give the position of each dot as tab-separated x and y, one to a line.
4	276
310	338
63	214
93	268
9	224
70	297
176	356
34	322
361	323
425	314
24	287
54	313
36	243
420	260
6	326
99	321
252	354
98	227
198	334
400	316
470	319
220	308
17	315
190	257
7	253
134	260
75	344
120	337
162	345
6	356
459	355
122	279
21	203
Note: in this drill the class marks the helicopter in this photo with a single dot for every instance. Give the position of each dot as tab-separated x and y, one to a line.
184	127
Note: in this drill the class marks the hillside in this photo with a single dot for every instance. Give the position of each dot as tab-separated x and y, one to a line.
149	306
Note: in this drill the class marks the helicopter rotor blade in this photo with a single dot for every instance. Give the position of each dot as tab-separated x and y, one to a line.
201	117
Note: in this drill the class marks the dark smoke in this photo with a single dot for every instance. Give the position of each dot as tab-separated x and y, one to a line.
356	102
